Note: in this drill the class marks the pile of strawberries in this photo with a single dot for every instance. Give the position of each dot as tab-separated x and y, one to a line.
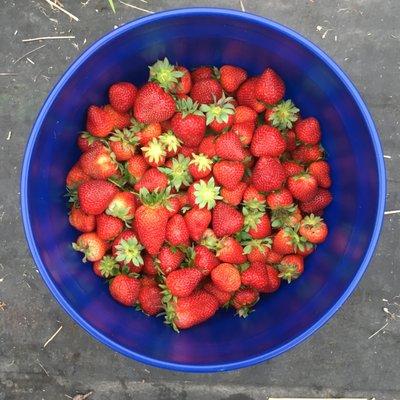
199	190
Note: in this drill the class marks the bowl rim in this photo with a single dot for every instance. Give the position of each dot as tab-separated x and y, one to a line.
251	18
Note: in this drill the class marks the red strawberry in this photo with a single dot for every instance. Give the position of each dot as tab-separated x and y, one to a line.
267	141
314	229
292	168
98	163
200	166
290	138
151	220
150	299
136	166
145	133
120	120
170	259
125	290
282	242
122	151
261	229
231	77
153	104
279	198
268	116
302	186
127	250
197	221
257	249
149	265
221	296
152	180
148	281
207	146
234	196
255	276
154	153
122	206
244	114
251	194
189	123
231	251
246	95
268	174
99	122
244	131
76	176
320	170
269	87
308	131
86	141
291	267
321	200
171	78
229	147
95	195
96	269
243	300
183	282
171	143
81	221
185	82
122	96
91	246
193	310
274	281
177	232
306	251
188	151
204	259
226	220
174	206
219	114
226	277
306	154
206	91
108	227
228	173
201	73
273	257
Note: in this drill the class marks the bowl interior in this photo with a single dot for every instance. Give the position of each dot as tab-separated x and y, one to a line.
195	38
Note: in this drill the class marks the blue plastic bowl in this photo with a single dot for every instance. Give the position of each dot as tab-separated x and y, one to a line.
317	85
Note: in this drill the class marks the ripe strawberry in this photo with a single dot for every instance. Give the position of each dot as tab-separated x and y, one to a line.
136	166
273	257
171	143
252	195
152	180
183	282
149	265
257	250
95	195
98	123
292	168
120	120
308	131
125	290
122	96
207	146
86	141
98	163
267	141
200	166
291	267
184	84
274	281
282	242
204	259
91	246
226	220
122	206
189	123
260	228
244	114
228	173
177	170
153	104
302	186
170	259
244	131
321	200
221	296
231	251
246	95
306	154
279	198
269	87
169	77
151	220
123	144
268	174
243	300
226	277
231	77
150	299
192	310
174	206
145	133
81	221
177	232
234	196
320	170
108	227
197	221
96	268
314	229
229	147
201	73
255	276
204	194
127	250
188	151
76	176
206	91
290	138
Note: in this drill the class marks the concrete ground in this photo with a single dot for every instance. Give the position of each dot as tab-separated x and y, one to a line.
341	359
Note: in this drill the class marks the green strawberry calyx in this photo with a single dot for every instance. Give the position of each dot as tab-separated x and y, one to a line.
283	115
206	193
251	218
165	74
170	142
260	244
178	173
288	272
201	161
188	107
109	267
311	221
125	136
155	198
299	242
169	302
254	205
281	216
121	211
129	251
154	151
218	111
